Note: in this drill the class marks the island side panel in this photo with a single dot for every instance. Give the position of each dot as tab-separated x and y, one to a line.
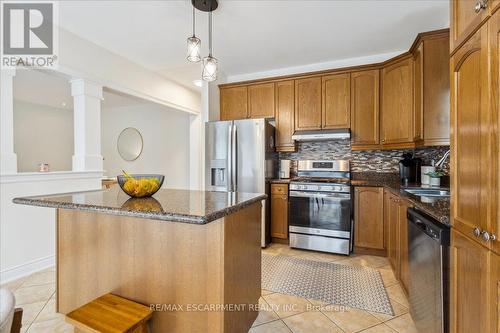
242	266
148	261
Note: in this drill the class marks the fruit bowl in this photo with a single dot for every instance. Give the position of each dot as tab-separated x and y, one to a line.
140	185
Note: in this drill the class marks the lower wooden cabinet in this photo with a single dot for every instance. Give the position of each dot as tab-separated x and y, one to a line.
396	231
470	290
369	218
279	211
404	264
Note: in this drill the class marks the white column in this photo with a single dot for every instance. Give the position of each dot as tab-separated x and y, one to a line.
8	158
197	142
87	98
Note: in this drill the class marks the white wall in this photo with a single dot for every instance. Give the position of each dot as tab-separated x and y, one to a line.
42	134
165	133
27	234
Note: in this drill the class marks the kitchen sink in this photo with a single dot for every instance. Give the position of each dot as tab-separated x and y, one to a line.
429	192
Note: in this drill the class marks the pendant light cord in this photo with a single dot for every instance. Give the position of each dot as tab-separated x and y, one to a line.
210	33
194	23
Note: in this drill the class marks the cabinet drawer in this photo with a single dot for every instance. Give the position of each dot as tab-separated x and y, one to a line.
279	188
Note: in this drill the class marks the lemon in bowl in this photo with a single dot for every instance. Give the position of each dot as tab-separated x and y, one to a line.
140	185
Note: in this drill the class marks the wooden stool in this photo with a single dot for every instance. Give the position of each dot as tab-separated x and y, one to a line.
110	314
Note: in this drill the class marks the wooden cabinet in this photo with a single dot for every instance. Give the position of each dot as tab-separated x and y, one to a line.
285	106
494	292
308	104
397	104
432	91
465	18
494	197
369	218
392	225
494	6
365	109
396	224
261	100
252	101
418	92
279	211
472	134
469	287
404	264
336	93
233	103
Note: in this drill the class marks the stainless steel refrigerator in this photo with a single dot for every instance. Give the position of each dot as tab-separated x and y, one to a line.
240	157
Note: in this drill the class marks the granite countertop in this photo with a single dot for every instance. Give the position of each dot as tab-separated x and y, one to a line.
281	181
198	207
438	208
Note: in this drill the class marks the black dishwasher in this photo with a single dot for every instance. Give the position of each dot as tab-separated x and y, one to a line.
428	253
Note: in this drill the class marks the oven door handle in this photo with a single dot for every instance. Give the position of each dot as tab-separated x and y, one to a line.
339	196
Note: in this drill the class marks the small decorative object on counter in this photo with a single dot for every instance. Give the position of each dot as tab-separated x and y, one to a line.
43	167
435	177
426	180
140	186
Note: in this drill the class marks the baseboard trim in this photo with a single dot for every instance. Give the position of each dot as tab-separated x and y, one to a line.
17	272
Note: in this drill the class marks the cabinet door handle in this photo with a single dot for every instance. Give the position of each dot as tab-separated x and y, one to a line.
476	232
480	5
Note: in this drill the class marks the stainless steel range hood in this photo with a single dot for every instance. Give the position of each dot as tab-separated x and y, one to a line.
337	134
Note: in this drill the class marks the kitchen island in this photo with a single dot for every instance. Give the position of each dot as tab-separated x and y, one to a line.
193	256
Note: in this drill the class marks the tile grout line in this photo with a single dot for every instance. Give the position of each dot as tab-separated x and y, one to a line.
43	307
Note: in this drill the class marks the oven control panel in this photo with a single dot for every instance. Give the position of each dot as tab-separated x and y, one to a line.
311	187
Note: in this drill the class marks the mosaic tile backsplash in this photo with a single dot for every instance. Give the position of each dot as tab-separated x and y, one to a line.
361	161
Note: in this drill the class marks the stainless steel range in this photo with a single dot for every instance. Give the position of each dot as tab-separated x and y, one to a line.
320	210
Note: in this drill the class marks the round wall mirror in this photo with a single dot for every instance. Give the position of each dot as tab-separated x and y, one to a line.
129	144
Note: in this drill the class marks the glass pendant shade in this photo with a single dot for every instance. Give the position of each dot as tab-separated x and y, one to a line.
194	49
209	69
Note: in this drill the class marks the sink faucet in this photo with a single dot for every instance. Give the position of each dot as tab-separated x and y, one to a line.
443	159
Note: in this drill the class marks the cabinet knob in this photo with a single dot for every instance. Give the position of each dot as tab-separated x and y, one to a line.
480	5
488	237
476	232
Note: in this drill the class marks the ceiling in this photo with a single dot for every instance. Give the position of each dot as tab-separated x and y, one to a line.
40	87
252	36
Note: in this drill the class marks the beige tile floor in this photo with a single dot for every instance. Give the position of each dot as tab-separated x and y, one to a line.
279	312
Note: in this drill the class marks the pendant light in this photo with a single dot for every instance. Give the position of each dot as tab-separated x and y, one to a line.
209	72
193	45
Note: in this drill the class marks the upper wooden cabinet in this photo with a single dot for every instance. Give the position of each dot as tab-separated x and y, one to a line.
400	103
365	109
261	100
472	130
369	218
466	16
432	90
285	106
233	103
397	104
336	110
308	104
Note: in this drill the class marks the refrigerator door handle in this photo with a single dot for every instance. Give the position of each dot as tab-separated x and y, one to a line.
234	156
229	158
